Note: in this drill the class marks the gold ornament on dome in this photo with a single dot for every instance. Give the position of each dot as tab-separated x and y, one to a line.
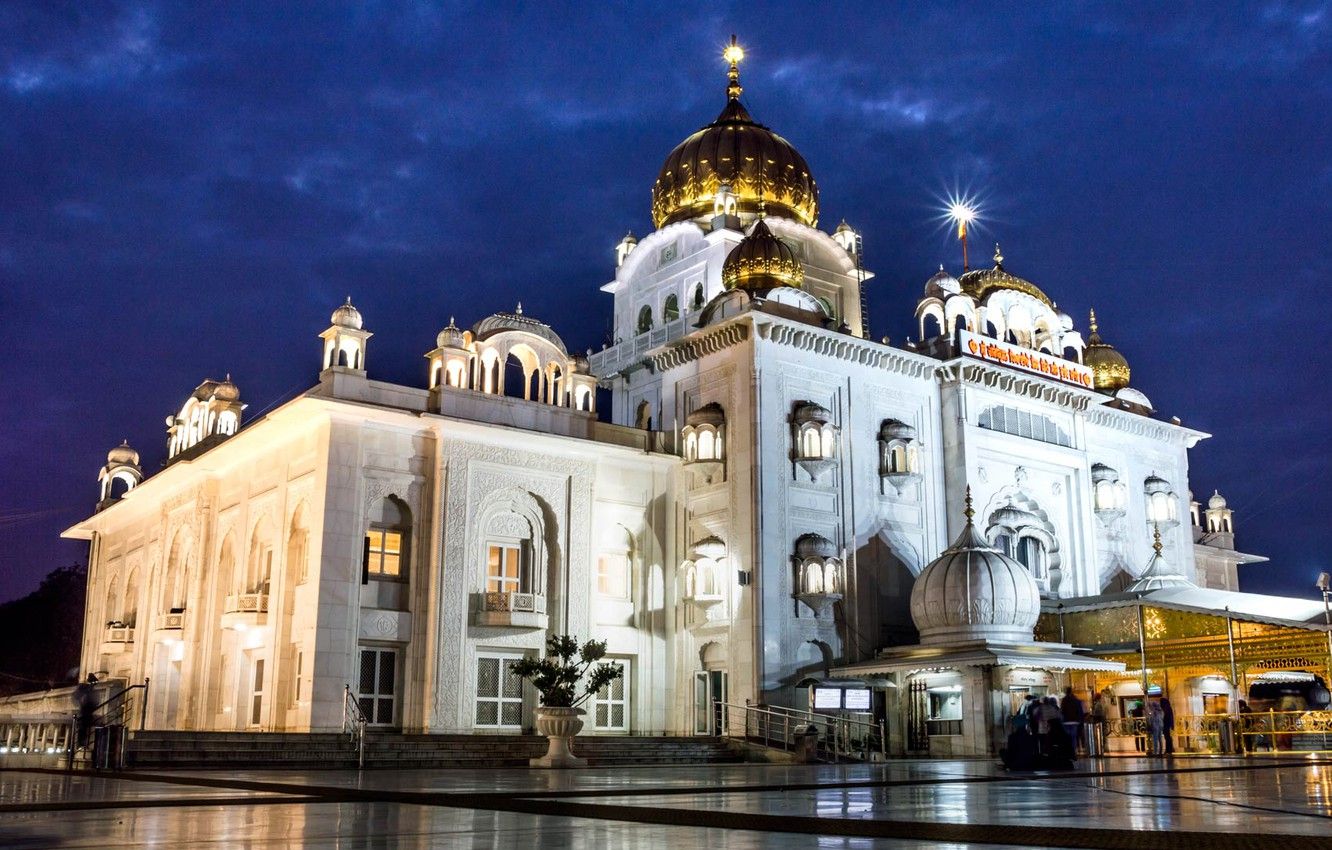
1110	370
762	261
736	151
979	283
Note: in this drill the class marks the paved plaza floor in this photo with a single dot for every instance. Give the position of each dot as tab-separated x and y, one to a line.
1213	804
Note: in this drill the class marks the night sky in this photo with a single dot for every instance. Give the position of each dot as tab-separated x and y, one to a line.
188	190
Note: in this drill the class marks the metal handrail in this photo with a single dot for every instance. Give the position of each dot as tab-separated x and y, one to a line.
353	723
844	737
1272	729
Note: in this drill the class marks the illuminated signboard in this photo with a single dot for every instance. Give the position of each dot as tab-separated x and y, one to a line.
1035	362
856	699
827	699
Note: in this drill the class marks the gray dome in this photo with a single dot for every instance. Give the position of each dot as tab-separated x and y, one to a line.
516	321
123	454
1157	576
814	546
942	284
451	336
808	411
973	591
226	390
347	316
1217	501
1156	484
708	414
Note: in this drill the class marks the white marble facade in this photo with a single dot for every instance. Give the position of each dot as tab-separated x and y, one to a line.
754	513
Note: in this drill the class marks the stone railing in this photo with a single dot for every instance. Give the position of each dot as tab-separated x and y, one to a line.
174	621
247	603
523	610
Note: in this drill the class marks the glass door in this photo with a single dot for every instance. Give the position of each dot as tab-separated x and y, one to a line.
709	695
610	705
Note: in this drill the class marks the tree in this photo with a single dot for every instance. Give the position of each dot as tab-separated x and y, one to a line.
556	676
41	633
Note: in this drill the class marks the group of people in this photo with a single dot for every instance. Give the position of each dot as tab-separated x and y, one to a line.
1045	733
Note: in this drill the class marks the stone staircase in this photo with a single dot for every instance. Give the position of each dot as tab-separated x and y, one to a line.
154	749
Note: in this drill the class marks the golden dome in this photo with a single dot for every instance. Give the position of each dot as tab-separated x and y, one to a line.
734	151
762	261
1110	371
979	283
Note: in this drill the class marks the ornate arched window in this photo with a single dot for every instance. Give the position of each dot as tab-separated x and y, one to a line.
1109	495
818	573
671	311
644	319
704	440
1025	537
815	438
258	574
1162	504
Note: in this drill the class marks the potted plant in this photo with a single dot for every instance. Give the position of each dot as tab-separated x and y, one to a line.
556	678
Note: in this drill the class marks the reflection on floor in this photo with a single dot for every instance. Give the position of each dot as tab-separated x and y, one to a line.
1142	804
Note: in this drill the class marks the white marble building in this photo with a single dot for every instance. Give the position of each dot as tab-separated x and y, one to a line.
754	513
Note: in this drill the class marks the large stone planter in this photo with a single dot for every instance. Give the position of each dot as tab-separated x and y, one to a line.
559	725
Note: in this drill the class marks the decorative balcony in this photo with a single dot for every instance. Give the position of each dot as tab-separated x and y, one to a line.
117	639
243	610
515	610
174	621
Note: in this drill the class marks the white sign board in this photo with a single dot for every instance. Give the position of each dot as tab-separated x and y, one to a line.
827	699
856	699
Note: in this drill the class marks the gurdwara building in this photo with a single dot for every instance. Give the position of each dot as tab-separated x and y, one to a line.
764	504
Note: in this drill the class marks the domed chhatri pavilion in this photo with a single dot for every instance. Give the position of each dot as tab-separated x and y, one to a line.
742	492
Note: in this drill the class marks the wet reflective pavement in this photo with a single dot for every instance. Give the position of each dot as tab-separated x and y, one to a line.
903	804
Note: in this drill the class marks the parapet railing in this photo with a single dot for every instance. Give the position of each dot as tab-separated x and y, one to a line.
836	737
353	723
1272	731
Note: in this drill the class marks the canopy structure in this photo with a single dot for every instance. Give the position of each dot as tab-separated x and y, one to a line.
1197	632
1055	657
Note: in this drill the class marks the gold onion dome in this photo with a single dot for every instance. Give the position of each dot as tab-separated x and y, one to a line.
979	283
1110	370
761	261
735	151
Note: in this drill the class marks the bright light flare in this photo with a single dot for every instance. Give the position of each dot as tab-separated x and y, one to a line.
962	212
733	53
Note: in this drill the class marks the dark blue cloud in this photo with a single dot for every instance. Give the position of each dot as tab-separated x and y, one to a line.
187	189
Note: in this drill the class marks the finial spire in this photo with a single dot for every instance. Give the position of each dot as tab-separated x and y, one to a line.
1156	537
1093	320
733	54
967	511
998	256
348	300
519	309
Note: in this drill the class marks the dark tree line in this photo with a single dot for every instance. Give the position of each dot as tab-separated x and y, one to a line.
41	632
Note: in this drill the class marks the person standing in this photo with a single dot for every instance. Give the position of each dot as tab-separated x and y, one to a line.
1071	708
1100	717
1137	714
1168	725
1244	711
1156	727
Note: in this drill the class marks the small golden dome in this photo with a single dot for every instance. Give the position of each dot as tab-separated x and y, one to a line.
1110	371
979	283
762	261
735	151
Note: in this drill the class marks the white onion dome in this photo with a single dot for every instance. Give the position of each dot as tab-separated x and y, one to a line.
122	455
347	316
451	336
895	429
1157	576
1216	502
814	546
973	591
711	547
1101	472
941	285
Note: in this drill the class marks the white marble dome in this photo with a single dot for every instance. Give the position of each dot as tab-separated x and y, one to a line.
1216	502
347	316
972	592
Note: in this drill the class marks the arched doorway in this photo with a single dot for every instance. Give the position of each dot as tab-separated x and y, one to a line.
710	689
